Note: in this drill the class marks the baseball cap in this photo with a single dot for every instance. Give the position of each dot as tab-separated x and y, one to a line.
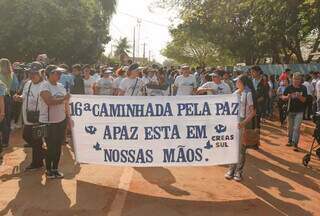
107	71
53	68
133	67
35	67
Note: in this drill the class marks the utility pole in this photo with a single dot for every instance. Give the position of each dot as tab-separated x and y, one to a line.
144	51
139	31
134	45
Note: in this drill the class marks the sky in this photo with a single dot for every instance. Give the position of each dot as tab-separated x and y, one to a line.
154	26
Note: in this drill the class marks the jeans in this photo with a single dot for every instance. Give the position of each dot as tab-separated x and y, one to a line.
6	127
238	168
294	121
37	146
54	141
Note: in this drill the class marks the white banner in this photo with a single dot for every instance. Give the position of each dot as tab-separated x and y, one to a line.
156	131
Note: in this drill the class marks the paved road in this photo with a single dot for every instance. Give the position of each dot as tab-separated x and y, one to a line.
275	183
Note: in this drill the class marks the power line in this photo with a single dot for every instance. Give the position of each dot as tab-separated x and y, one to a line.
145	20
118	30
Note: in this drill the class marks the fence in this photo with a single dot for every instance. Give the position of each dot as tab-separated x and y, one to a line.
278	69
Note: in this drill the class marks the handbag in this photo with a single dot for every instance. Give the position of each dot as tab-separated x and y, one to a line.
32	116
40	131
251	133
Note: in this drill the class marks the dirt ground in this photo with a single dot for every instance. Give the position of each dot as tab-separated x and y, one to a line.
275	183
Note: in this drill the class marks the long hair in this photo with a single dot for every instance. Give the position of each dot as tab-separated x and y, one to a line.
248	84
5	63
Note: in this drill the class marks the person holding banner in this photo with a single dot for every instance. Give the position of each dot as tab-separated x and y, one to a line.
53	109
132	85
216	87
248	106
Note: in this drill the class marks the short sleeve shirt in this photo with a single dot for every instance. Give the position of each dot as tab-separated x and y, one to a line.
295	105
132	87
105	86
221	88
246	101
31	99
185	85
88	86
53	113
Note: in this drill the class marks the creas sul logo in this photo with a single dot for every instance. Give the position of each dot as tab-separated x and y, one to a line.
220	128
91	130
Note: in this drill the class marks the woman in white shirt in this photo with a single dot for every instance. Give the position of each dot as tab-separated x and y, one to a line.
53	112
248	105
88	82
30	112
105	85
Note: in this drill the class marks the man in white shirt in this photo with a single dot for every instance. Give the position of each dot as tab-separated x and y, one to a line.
185	84
216	87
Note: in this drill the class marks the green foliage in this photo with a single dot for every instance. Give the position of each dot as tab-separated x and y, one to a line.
67	30
122	47
251	30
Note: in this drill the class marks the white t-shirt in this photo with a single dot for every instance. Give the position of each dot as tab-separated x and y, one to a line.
33	99
222	88
88	85
56	112
318	90
309	87
185	85
117	82
105	86
246	101
132	87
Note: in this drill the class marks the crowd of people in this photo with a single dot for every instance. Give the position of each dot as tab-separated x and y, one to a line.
41	91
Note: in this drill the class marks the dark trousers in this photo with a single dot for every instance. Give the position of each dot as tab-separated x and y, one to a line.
37	146
6	127
54	141
308	111
282	111
16	111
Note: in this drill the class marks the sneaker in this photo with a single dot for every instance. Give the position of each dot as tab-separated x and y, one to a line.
33	167
50	174
229	174
296	149
57	174
237	177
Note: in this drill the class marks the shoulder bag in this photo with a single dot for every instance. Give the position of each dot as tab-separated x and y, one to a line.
251	133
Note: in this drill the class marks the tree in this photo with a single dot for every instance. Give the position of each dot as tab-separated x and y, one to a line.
122	47
251	30
67	30
186	48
